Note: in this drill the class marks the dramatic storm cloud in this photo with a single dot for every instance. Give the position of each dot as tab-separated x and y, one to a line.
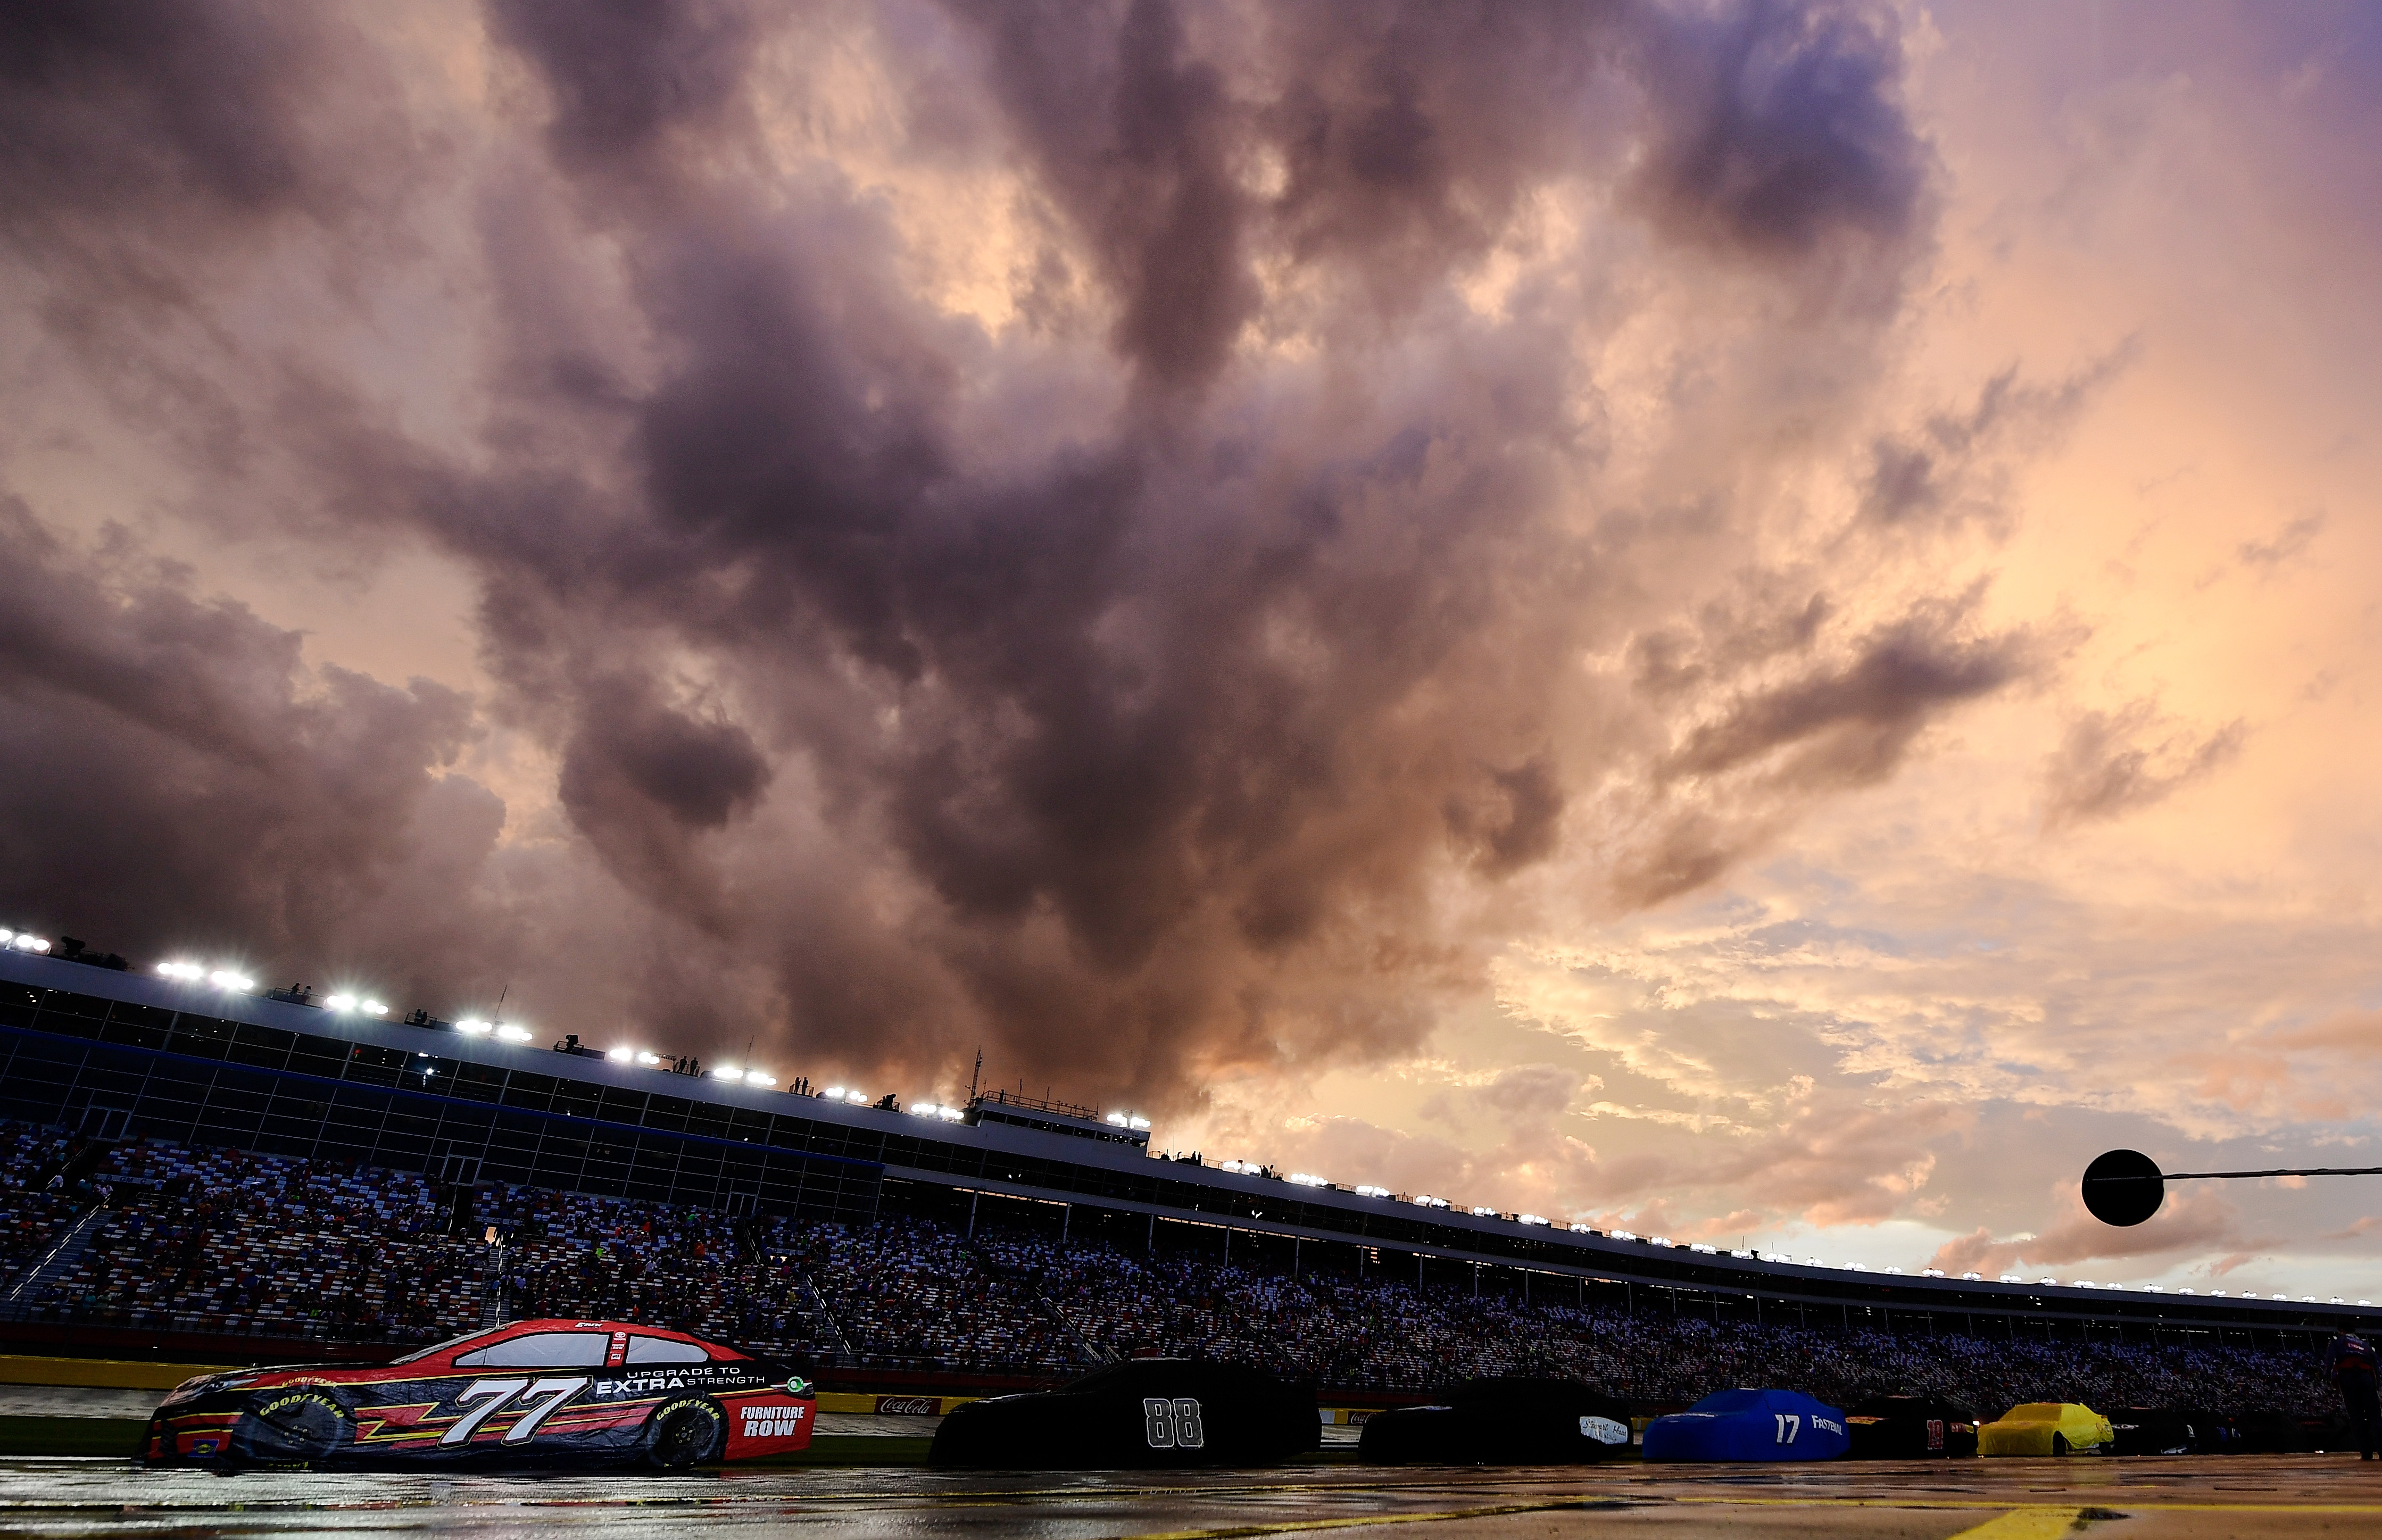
1553	597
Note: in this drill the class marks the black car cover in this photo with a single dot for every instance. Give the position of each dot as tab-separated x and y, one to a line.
1150	1411
2161	1430
1911	1427
1517	1420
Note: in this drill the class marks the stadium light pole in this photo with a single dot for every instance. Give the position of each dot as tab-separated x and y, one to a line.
2126	1186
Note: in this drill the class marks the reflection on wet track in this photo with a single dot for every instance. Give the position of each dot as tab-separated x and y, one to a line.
2248	1495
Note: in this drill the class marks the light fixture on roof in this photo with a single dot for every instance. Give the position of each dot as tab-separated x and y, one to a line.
647	1057
621	1056
513	1034
1140	1125
188	973
472	1026
224	978
1241	1168
1624	1235
1530	1218
1369	1190
1980	1277
923	1109
1115	1120
22	941
1305	1179
951	1115
1483	1213
834	1092
373	1007
341	1002
1659	1241
1582	1227
726	1072
755	1077
856	1098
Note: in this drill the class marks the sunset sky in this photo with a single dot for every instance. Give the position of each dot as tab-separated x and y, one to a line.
1739	619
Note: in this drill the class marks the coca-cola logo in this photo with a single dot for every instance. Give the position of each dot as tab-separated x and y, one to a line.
908	1406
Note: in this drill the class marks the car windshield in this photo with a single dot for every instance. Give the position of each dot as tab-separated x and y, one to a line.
2034	1411
419	1353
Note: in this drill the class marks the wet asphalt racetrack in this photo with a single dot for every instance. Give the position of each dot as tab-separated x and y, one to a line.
1990	1499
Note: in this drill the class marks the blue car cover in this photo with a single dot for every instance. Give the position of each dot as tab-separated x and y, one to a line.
1750	1424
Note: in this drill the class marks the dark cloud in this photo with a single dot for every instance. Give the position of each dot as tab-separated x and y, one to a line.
1851	722
2288	542
2112	764
108	105
1779	130
1954	467
176	775
624	72
1128	703
1133	139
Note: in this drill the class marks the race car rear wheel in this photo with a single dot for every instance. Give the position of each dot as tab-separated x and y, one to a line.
683	1433
291	1427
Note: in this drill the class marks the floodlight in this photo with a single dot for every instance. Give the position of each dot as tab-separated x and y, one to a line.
856	1098
341	1002
951	1115
621	1056
834	1092
1369	1190
727	1072
1140	1125
1116	1120
648	1059
513	1034
1530	1218
474	1026
373	1007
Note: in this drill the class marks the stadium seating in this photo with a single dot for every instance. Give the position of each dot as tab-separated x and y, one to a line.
223	1241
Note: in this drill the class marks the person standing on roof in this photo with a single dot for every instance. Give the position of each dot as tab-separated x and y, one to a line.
2350	1364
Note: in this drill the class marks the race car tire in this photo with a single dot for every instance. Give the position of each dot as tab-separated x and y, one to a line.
684	1433
291	1427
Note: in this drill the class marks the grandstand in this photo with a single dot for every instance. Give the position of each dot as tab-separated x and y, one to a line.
200	1170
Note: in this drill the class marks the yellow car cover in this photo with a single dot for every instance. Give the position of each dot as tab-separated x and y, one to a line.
2045	1428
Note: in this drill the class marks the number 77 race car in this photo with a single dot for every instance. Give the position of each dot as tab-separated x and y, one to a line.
528	1393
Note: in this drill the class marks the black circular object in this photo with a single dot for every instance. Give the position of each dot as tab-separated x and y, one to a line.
2124	1187
290	1427
685	1433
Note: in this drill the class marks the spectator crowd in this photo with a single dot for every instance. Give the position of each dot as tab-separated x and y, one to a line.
157	1236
